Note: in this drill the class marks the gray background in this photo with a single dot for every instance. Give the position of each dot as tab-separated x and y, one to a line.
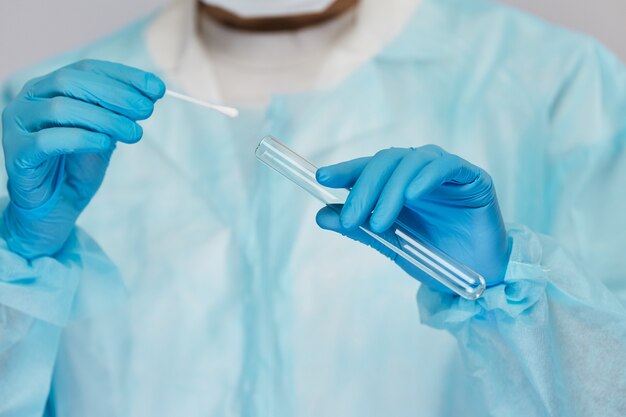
36	29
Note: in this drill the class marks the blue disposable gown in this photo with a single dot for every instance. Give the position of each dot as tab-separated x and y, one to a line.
219	295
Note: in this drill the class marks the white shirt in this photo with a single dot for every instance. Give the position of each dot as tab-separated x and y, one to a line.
246	68
251	66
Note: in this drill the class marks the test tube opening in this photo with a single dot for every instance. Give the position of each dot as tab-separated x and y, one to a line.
297	169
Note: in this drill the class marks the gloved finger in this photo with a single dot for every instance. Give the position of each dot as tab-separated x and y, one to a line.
60	141
147	83
328	219
67	112
446	169
367	188
343	174
96	89
391	199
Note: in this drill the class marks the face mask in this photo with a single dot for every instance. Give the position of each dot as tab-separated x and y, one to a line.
270	8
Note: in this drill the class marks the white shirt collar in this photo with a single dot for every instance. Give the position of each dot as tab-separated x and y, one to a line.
174	43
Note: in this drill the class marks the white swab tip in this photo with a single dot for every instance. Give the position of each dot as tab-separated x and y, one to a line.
228	111
225	110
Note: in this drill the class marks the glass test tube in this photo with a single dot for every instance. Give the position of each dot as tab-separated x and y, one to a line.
414	249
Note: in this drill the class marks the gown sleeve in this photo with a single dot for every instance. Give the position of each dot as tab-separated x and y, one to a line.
551	339
38	298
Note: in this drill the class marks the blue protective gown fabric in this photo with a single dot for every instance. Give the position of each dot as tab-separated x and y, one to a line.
239	305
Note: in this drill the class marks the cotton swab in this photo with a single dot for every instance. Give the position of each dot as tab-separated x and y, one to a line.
225	110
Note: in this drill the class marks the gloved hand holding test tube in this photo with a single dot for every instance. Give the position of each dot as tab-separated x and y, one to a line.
406	243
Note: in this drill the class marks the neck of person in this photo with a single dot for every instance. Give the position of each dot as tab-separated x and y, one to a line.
279	23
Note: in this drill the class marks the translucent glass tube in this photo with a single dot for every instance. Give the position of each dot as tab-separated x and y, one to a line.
407	244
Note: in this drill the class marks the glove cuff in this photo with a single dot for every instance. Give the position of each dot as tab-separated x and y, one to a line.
524	285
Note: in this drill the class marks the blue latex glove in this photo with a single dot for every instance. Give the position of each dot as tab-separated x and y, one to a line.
58	135
443	198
